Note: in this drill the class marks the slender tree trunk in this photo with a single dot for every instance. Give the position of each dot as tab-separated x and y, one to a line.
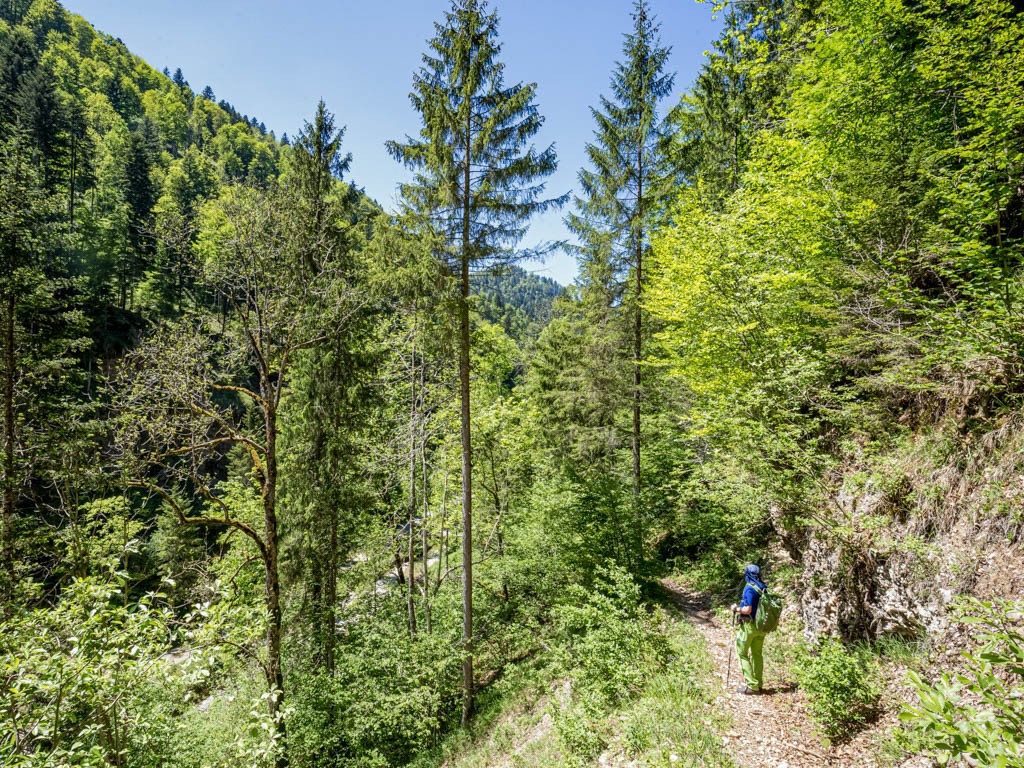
499	510
501	556
275	672
442	562
411	591
331	596
467	449
122	298
7	498
399	565
638	327
71	186
7	493
426	512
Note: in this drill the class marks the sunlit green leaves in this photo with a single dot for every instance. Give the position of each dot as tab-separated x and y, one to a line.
979	712
748	294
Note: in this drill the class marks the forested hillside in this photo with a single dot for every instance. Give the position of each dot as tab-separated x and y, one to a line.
289	479
519	301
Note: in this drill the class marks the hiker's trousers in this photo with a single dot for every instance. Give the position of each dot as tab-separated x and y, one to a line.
749	644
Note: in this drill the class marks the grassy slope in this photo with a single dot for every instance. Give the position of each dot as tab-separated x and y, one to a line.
523	721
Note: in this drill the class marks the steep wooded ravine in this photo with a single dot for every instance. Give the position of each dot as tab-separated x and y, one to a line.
236	392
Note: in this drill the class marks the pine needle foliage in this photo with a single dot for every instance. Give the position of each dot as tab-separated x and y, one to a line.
478	180
626	186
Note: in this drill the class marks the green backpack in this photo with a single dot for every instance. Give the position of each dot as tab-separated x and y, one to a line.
769	610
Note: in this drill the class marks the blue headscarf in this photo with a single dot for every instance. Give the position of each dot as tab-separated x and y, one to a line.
752	574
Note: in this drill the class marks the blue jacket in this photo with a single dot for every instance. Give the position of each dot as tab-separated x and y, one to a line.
752	575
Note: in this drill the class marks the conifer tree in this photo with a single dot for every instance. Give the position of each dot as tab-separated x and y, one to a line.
40	324
478	180
328	403
623	189
734	95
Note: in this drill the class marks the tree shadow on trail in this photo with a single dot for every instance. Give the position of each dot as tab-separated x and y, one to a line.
696	606
776	690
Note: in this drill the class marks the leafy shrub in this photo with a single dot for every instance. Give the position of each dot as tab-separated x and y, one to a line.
76	678
610	643
842	683
579	734
231	727
388	698
979	713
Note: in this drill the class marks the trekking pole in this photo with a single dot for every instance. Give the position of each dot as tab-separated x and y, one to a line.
732	644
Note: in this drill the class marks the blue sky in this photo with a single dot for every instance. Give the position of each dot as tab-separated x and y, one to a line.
275	60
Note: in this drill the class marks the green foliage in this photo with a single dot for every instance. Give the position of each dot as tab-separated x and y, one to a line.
77	675
843	245
671	720
517	300
100	537
675	714
577	379
624	191
463	101
842	683
579	735
388	698
609	646
977	713
749	332
625	187
719	521
196	725
838	262
610	643
735	95
596	523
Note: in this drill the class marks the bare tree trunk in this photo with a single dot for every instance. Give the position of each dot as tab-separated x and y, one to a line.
7	497
467	448
274	669
331	597
399	565
499	509
501	556
638	328
411	591
71	185
425	544
442	562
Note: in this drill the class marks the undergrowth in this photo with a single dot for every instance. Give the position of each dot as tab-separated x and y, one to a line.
843	686
621	683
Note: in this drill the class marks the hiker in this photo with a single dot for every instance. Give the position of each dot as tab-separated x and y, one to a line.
749	640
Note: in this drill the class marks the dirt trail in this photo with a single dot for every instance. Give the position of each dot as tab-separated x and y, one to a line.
772	730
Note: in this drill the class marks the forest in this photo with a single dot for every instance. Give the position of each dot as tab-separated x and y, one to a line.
289	479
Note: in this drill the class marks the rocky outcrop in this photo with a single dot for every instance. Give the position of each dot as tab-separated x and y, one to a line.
896	549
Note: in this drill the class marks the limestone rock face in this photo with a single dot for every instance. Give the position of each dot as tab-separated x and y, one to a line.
909	596
867	579
822	593
892	566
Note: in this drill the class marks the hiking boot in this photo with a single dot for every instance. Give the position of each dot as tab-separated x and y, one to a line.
746	690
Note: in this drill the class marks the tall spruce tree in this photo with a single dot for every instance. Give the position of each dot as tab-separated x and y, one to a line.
624	189
40	321
478	181
329	401
736	94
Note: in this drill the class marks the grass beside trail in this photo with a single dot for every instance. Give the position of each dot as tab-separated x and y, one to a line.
534	719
